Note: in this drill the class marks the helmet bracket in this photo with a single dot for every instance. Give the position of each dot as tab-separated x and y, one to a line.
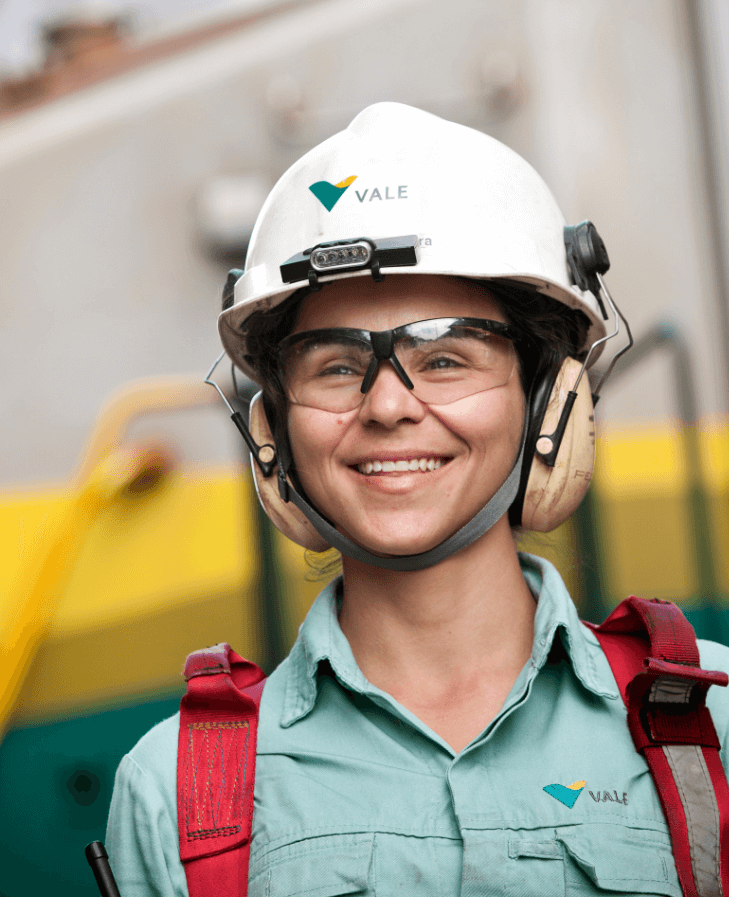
264	455
375	271
587	258
229	289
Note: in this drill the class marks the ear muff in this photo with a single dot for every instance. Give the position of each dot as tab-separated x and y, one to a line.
285	516
552	494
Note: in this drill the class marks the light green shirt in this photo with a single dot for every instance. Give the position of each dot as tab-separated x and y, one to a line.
355	795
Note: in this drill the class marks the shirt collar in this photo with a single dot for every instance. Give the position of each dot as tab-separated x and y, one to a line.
556	613
321	640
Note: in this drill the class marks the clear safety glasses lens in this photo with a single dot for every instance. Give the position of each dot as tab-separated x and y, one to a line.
441	360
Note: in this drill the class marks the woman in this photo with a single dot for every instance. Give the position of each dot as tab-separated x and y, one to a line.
444	723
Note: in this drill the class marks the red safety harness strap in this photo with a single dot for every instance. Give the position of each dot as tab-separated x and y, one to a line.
216	762
652	650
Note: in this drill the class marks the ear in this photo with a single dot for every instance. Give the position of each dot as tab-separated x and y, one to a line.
553	493
285	516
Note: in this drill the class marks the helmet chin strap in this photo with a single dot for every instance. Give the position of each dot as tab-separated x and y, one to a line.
480	523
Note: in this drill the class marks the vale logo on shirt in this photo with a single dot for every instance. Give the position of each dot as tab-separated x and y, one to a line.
566	794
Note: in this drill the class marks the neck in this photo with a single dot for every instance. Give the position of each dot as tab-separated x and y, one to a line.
443	628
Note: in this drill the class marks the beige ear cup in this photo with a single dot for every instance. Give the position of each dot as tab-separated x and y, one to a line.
553	493
285	516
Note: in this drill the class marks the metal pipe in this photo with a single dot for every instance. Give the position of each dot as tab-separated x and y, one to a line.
712	169
666	334
669	336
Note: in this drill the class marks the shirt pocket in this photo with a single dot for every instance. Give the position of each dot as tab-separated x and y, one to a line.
539	867
616	858
326	866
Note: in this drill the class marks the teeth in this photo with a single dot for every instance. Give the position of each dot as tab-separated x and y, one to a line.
423	464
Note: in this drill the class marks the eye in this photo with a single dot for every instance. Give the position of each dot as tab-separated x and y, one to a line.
340	369
441	363
328	362
333	364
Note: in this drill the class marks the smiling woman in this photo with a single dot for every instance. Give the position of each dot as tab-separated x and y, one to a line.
422	367
464	416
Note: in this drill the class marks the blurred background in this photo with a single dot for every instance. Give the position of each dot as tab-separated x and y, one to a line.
137	143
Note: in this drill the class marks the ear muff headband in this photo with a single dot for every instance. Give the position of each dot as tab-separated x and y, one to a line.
538	496
302	523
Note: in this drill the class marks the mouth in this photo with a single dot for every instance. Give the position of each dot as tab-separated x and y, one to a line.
424	464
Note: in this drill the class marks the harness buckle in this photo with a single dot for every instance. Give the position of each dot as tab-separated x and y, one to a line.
666	704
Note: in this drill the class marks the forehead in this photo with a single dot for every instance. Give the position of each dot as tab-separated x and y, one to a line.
400	299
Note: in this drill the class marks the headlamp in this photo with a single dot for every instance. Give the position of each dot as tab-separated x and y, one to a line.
345	255
353	256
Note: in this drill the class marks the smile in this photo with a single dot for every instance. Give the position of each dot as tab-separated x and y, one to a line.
423	464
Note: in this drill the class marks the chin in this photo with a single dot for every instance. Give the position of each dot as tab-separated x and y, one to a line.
396	543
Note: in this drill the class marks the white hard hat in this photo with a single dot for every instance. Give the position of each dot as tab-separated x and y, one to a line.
475	208
406	191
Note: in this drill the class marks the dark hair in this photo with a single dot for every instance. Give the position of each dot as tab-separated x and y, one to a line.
550	332
264	330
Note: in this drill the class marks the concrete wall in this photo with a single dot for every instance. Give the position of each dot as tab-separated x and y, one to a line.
105	275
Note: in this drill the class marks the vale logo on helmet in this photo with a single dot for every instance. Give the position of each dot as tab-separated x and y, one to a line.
329	194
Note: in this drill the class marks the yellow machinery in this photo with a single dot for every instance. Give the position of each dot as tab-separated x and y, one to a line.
114	577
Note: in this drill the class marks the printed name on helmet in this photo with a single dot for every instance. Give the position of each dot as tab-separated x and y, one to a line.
399	192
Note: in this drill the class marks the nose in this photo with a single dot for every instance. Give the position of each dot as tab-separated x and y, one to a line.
388	401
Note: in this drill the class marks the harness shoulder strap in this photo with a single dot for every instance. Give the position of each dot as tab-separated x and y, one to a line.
652	651
216	765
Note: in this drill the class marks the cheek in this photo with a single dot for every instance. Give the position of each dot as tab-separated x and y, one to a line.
481	421
513	422
517	416
314	436
304	448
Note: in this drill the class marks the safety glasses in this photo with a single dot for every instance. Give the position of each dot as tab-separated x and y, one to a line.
441	360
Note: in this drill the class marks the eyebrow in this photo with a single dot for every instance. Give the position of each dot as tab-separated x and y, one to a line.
325	337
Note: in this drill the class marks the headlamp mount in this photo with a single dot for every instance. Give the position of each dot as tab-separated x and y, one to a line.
340	256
